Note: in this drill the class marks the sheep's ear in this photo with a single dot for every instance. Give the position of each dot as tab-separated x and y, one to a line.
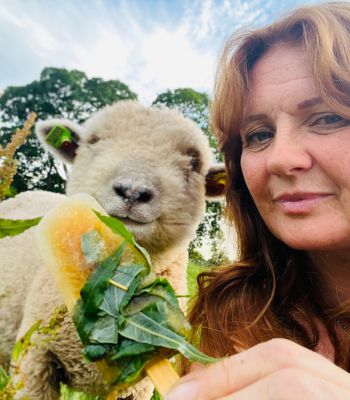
215	182
60	137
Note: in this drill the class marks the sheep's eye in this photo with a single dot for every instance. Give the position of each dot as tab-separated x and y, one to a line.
93	139
195	162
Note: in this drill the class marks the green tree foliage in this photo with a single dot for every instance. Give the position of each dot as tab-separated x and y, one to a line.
192	104
58	93
195	105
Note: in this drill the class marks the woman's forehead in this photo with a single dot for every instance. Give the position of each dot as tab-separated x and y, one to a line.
281	76
281	62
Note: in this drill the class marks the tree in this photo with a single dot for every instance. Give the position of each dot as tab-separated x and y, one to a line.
195	105
58	93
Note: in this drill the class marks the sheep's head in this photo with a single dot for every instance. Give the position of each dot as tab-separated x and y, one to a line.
149	167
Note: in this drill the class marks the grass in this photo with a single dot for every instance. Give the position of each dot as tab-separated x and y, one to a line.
192	271
69	394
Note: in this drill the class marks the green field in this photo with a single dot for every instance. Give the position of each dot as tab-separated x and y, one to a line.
192	272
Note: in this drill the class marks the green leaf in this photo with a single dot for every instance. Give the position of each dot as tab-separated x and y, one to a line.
66	393
115	297
140	303
156	395
93	291
172	317
24	341
118	227
161	311
129	348
161	287
132	368
84	322
4	378
141	328
13	227
10	192
105	330
86	309
95	352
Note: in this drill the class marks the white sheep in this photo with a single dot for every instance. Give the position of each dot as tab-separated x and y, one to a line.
149	167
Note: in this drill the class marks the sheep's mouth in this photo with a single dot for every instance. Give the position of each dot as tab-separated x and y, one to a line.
130	222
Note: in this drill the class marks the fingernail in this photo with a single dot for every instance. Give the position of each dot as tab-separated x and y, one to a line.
187	390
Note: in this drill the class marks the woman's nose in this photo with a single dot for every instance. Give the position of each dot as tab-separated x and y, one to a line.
288	156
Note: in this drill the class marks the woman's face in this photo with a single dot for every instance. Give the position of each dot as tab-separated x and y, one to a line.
296	154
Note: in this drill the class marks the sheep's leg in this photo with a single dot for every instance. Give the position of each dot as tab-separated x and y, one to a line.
37	374
54	354
82	375
57	355
56	358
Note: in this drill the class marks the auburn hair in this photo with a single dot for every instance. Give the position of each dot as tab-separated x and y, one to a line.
271	291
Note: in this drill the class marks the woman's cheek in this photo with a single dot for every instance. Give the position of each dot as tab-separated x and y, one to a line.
251	174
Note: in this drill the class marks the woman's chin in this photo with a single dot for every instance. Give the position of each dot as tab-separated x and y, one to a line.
317	242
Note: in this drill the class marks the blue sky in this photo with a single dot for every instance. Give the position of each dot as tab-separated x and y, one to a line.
151	45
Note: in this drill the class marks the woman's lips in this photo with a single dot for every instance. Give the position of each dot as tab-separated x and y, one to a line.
299	203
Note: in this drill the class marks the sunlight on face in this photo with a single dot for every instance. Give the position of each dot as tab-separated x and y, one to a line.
296	154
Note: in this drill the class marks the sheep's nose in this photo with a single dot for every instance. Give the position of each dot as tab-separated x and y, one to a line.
133	195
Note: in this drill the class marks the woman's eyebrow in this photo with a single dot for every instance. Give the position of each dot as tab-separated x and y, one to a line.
253	117
309	102
303	104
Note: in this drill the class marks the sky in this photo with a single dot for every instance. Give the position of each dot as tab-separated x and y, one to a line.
150	45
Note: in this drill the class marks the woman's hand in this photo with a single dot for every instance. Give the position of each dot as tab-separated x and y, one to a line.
275	370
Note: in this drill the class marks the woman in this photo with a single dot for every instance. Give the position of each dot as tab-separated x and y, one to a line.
281	110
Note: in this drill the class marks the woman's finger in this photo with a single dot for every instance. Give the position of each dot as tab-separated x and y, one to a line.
290	384
236	372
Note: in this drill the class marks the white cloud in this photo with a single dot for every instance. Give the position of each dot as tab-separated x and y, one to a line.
42	40
39	36
204	20
7	15
170	61
115	43
107	55
149	59
147	48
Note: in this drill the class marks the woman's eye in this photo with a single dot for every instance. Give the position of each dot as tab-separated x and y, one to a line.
254	139
330	120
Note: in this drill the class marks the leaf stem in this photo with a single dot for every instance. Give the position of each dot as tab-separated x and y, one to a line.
118	285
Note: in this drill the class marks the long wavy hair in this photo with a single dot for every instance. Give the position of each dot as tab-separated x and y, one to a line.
272	290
